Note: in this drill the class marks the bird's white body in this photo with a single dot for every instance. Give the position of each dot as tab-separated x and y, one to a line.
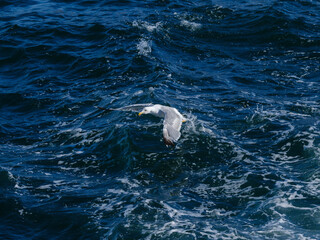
172	119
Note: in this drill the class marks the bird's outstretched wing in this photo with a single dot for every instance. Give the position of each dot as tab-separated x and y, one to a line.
133	108
171	127
172	119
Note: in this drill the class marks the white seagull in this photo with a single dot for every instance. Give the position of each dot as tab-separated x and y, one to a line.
172	118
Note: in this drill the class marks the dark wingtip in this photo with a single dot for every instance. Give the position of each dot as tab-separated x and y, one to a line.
168	142
104	109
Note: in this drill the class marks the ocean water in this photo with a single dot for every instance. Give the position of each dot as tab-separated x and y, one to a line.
245	73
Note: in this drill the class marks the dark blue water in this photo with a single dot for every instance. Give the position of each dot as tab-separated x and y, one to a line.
245	73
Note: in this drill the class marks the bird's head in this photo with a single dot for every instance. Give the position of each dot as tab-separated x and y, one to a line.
145	110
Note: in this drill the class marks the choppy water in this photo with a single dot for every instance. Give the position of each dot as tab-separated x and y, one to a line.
246	73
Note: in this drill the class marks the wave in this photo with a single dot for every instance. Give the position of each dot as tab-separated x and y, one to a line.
246	77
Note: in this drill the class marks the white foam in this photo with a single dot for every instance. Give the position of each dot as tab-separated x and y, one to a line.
128	210
144	47
192	26
43	187
138	93
22	212
85	137
117	191
58	182
280	229
127	182
148	26
64	155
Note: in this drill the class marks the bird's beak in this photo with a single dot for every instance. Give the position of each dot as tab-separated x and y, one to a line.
140	113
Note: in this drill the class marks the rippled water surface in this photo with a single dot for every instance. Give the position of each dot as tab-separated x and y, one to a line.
245	73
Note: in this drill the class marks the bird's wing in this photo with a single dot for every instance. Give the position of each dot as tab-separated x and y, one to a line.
133	108
171	126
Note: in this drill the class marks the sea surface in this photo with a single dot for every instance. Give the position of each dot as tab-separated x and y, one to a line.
245	73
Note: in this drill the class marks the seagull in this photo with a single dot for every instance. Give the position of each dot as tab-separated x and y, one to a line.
172	119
